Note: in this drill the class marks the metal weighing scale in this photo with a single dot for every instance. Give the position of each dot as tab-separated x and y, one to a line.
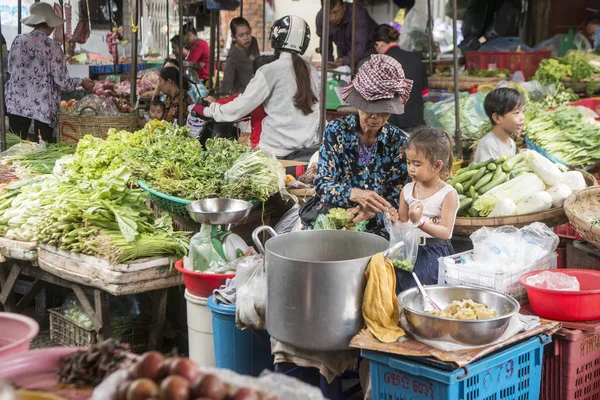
221	215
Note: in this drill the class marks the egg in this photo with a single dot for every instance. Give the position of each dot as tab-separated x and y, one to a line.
148	366
245	394
186	368
142	389
209	386
174	387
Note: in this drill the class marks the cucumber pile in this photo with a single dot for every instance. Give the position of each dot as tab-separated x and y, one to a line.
478	178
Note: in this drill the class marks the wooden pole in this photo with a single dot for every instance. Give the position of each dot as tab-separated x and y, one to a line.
242	8
181	67
211	62
2	116
134	53
264	25
218	47
324	60
457	133
19	16
168	30
430	35
353	35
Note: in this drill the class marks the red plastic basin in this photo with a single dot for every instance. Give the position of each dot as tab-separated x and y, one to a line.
16	333
560	305
201	284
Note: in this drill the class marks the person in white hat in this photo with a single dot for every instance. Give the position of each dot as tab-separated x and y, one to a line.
38	74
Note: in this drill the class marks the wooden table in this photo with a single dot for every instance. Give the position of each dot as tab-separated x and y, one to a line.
99	312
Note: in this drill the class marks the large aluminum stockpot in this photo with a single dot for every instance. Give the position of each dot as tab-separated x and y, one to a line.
315	282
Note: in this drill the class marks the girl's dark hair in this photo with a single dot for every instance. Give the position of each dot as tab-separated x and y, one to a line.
171	61
238	21
172	74
435	144
305	97
386	33
157	103
262	60
501	101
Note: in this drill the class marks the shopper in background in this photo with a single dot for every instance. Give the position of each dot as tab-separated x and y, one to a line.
169	85
386	38
287	87
199	53
340	33
38	75
592	23
175	41
238	67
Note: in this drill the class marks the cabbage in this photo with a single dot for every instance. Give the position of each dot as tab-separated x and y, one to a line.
537	202
559	194
574	180
504	208
543	167
516	190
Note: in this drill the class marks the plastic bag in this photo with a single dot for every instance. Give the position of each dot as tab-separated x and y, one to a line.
406	257
20	149
474	122
507	247
414	32
251	282
122	309
203	255
289	220
554	281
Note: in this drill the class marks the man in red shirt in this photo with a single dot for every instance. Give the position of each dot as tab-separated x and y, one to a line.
199	51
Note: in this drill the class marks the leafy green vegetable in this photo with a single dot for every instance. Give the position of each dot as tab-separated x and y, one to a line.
595	221
404	265
575	64
42	161
338	218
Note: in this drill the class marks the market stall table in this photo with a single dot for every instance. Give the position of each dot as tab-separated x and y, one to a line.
81	285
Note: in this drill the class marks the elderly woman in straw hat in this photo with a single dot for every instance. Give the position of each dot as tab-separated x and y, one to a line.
361	161
38	74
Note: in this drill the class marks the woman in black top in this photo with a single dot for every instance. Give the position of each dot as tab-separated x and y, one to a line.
386	38
239	65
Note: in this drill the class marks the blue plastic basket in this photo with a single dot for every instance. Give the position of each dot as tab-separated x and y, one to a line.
513	373
533	146
247	352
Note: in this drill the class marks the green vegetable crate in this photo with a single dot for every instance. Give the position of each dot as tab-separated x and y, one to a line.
66	332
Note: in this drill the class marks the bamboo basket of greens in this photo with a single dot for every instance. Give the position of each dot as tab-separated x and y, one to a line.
583	211
516	191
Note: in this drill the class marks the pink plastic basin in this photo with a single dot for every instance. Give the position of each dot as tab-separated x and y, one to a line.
16	333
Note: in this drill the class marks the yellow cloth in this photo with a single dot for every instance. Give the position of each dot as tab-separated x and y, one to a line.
380	307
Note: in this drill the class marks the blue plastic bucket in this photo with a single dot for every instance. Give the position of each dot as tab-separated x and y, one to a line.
246	352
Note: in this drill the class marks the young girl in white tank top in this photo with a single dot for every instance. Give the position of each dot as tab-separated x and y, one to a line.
428	203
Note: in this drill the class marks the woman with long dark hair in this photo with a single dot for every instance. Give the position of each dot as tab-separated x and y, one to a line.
288	89
386	38
243	52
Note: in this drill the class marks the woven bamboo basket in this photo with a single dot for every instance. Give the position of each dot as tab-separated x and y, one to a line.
464	226
580	208
71	128
456	165
464	82
581	86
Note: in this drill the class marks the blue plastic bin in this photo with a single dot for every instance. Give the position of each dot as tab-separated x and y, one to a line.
246	352
513	373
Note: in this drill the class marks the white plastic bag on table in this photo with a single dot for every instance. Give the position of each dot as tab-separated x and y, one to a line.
414	32
554	281
251	280
405	258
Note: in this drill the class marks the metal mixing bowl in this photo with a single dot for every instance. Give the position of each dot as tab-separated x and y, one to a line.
470	332
219	211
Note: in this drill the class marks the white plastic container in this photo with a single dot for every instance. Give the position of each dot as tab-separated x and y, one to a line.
200	331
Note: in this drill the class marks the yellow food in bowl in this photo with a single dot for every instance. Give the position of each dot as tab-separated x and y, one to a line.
466	309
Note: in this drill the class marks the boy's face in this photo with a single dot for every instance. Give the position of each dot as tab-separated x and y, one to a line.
512	122
156	112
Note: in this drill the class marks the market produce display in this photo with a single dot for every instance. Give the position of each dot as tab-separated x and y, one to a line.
338	218
96	217
41	161
579	65
522	184
566	134
89	367
177	378
170	161
480	73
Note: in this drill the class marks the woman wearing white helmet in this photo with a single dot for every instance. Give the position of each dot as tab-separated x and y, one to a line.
291	105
